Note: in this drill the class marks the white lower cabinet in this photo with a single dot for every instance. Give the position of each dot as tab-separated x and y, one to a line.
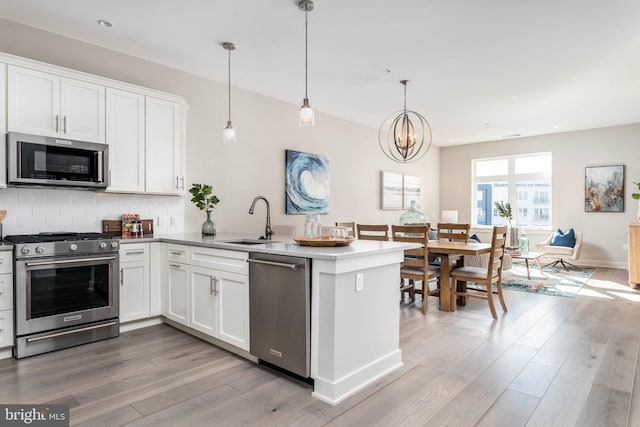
233	309
202	300
134	282
207	290
176	306
175	294
6	298
219	305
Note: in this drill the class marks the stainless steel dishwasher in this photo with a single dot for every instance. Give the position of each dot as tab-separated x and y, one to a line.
280	311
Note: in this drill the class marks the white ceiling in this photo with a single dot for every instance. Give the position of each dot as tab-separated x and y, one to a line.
479	69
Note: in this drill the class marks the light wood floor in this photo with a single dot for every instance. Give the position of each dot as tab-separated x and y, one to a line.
549	361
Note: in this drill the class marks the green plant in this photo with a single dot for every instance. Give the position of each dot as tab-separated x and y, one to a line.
636	195
203	196
504	210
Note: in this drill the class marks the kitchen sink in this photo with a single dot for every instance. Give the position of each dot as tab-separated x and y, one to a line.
250	242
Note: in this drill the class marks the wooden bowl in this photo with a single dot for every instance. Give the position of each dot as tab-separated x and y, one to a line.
323	241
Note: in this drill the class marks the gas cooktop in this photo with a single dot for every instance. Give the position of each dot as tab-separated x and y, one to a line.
55	237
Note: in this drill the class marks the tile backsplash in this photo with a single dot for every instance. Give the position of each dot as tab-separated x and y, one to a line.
38	210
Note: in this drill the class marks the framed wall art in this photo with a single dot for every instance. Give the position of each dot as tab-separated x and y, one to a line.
398	190
604	189
306	183
391	190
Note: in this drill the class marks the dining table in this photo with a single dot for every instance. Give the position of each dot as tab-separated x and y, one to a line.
449	253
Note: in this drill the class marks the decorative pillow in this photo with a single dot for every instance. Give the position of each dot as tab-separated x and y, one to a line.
475	237
567	239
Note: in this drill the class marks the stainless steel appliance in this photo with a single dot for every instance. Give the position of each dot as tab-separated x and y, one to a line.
280	311
65	290
37	160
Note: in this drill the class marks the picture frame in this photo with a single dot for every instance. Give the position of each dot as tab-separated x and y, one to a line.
306	183
397	190
604	188
390	190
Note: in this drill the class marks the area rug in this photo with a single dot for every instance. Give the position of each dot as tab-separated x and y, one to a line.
554	281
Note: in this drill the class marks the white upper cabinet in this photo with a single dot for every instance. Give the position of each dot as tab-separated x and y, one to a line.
3	125
82	108
45	104
163	148
126	139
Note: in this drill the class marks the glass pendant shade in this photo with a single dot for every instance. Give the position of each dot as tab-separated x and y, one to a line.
307	115
229	134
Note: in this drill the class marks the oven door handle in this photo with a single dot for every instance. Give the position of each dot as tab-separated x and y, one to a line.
69	261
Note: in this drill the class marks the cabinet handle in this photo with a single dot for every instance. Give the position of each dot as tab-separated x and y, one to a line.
175	266
134	252
212	285
215	285
176	252
182	182
177	187
122	277
64	124
57	123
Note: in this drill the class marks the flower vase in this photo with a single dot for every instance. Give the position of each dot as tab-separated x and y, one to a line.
413	216
208	227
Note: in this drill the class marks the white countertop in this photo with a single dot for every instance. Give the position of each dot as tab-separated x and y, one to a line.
356	249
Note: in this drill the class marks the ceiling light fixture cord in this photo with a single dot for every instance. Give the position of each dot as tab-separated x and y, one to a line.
306	50
230	85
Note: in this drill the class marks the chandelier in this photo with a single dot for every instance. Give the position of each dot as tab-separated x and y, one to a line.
405	135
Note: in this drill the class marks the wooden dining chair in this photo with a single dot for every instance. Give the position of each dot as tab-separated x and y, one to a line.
373	232
454	232
350	226
415	266
484	276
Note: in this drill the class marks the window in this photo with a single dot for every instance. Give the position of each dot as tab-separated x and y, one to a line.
524	181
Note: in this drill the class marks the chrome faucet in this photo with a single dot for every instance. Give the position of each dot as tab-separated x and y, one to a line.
267	229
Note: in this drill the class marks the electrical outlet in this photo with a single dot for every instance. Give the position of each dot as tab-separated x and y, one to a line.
359	282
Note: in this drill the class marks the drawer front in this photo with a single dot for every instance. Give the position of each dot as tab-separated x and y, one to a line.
6	291
220	259
134	252
6	328
177	253
6	262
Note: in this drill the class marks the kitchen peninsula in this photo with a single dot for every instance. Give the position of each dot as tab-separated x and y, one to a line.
354	304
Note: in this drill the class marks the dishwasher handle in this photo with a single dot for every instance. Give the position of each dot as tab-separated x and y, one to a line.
277	264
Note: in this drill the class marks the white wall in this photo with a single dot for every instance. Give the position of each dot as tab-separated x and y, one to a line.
604	233
265	126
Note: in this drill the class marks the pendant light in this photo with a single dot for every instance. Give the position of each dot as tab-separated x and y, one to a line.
402	134
229	132
306	116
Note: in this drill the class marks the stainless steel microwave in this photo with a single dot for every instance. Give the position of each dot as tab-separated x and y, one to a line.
34	160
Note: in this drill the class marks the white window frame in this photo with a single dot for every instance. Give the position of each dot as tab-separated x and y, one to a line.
511	178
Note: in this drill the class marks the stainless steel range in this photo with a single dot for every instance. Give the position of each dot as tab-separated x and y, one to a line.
64	290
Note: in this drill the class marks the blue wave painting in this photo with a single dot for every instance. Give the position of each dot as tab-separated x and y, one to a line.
306	183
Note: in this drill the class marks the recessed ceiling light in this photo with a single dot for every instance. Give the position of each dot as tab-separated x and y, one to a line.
556	127
104	23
